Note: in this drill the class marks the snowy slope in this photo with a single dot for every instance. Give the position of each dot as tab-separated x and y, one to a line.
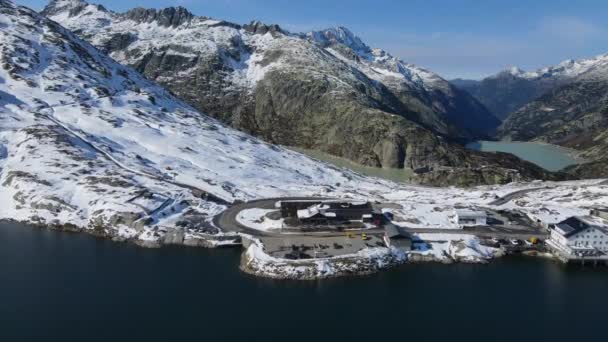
86	143
82	135
377	63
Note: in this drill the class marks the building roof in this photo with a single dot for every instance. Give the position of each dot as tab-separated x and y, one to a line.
334	200
313	210
394	232
576	224
602	211
470	213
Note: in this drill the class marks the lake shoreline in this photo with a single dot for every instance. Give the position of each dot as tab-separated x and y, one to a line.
548	156
255	262
73	287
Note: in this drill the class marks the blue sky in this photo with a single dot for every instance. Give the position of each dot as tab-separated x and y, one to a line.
456	38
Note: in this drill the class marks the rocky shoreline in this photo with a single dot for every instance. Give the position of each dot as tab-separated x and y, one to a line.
173	237
256	262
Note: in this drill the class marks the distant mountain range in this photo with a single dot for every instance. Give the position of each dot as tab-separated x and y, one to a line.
566	104
325	90
511	89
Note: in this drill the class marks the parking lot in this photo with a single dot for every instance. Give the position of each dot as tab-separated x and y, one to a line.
308	247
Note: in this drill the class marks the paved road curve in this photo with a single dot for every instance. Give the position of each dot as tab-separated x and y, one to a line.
228	222
514	195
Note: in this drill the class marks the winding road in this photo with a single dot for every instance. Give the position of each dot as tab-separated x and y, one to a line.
228	222
514	195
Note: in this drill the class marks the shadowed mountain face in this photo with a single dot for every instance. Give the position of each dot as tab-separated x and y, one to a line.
574	115
505	92
566	105
324	90
510	90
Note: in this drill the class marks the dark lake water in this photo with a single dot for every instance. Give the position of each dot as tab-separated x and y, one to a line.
57	286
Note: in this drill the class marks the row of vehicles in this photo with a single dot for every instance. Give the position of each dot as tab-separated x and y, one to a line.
516	242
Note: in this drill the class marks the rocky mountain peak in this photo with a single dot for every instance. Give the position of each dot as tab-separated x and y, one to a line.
71	7
515	71
339	35
168	17
258	27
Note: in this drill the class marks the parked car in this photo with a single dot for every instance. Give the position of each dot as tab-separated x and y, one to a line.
514	242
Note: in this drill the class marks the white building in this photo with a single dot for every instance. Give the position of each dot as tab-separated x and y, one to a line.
602	213
580	236
471	218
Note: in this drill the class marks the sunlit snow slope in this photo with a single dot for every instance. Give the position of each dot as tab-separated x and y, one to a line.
80	134
86	143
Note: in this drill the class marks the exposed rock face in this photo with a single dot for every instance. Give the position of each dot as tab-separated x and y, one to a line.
167	17
590	170
574	115
323	90
72	7
256	27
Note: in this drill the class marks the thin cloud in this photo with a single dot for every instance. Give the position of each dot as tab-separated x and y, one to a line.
573	30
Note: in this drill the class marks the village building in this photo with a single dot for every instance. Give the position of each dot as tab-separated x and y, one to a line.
289	208
328	212
601	213
471	218
580	236
397	237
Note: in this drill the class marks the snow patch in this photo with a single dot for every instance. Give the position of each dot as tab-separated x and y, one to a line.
256	218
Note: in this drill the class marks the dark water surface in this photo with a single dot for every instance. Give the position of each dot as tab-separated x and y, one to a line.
59	286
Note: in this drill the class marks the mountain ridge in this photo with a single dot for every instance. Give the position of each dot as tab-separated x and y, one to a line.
564	104
88	144
509	90
238	73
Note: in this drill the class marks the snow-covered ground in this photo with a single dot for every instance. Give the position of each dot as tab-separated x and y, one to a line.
82	136
454	247
256	218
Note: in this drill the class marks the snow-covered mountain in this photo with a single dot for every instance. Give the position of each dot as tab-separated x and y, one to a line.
314	90
511	89
596	67
574	113
89	144
376	63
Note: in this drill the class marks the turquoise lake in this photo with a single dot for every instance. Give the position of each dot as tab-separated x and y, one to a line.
549	157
